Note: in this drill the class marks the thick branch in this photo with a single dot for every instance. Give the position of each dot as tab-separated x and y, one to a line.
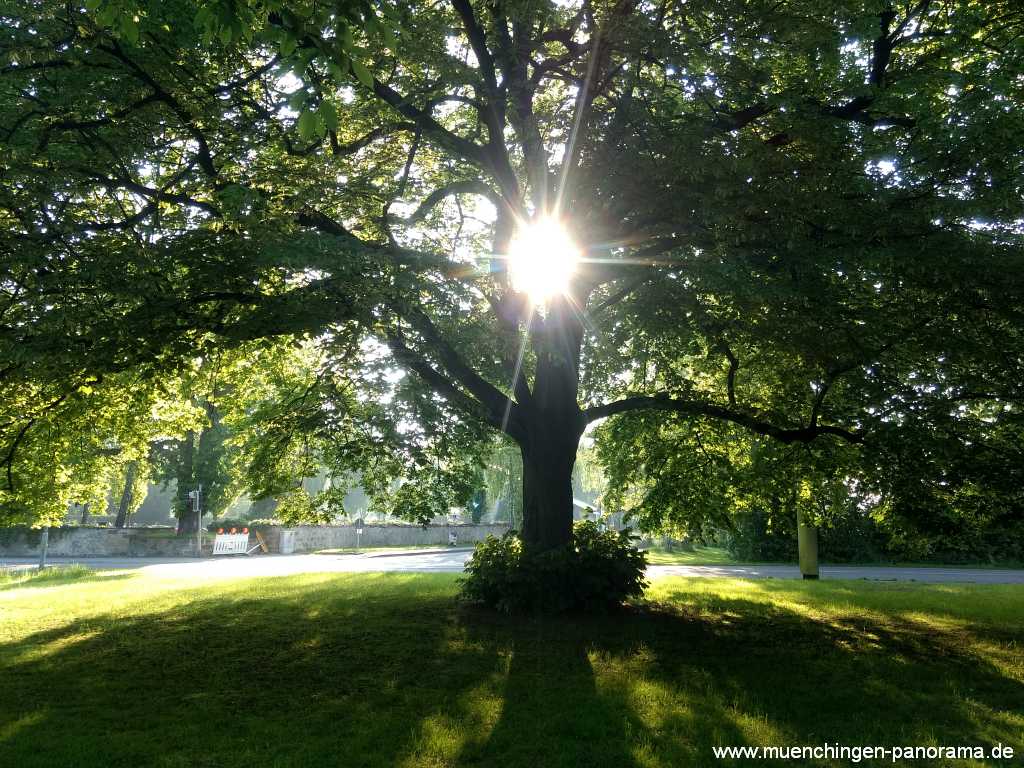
856	109
465	187
617	296
438	381
666	402
157	195
343	150
502	418
478	41
490	396
205	156
593	274
464	148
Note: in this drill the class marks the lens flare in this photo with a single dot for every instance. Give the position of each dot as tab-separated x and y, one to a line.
542	259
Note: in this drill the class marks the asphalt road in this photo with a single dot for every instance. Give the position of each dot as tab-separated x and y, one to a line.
233	567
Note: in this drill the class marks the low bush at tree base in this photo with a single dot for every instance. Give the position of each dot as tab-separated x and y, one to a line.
594	572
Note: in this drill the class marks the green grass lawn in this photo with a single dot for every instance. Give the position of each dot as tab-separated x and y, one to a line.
719	556
698	556
122	669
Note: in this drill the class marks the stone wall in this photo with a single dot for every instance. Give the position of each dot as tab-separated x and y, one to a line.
84	541
309	538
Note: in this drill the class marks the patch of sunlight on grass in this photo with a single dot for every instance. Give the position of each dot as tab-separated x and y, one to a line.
713	597
650	697
9	730
437	742
699	556
32	575
959	605
442	736
1006	655
928	619
678	718
994	726
38	651
645	755
756	728
308	644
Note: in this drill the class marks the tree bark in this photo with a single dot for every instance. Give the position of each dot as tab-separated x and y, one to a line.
547	495
188	521
126	495
551	426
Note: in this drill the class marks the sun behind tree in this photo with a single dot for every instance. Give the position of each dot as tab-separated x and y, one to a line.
542	259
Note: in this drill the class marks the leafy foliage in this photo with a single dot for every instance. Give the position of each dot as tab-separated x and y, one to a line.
800	220
70	450
926	490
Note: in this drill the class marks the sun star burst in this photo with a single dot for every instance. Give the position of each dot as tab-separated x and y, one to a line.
542	259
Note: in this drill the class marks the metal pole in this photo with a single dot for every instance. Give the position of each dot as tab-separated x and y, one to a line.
44	544
199	520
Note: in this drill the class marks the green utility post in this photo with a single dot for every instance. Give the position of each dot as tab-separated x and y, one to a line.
807	547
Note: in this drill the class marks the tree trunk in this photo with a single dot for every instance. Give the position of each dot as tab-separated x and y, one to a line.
188	520
551	428
85	514
126	495
261	508
547	495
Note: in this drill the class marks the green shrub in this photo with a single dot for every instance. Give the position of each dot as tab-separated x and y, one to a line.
596	571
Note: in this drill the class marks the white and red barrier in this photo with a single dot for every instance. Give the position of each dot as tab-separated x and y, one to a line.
231	543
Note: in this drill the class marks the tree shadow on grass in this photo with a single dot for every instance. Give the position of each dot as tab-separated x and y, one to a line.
388	670
552	712
296	674
577	692
843	678
661	686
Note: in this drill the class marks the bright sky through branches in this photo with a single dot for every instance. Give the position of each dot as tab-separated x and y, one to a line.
542	259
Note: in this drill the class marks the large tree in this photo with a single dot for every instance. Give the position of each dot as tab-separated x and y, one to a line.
799	218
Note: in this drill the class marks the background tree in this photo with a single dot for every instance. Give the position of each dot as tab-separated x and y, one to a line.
70	447
504	476
701	481
930	491
128	490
